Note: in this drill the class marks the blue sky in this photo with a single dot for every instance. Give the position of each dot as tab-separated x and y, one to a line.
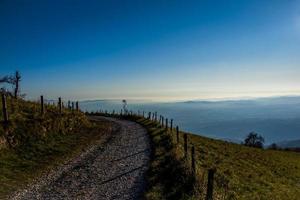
156	50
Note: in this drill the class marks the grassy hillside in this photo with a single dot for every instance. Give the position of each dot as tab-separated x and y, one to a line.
241	172
34	143
251	173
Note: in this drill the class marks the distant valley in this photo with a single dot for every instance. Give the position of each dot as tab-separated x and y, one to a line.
277	118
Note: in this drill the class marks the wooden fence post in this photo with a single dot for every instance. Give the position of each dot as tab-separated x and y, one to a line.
69	105
193	159
72	105
210	184
42	105
77	106
155	116
171	125
162	121
59	105
4	110
177	134
167	123
185	144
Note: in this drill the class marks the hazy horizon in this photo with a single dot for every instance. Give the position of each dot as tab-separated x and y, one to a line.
194	99
277	119
167	100
170	50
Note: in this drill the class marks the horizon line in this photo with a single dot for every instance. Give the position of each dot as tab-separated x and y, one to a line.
188	100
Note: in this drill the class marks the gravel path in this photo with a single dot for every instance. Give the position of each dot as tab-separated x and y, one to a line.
113	171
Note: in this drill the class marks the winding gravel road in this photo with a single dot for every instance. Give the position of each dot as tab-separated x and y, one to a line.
115	170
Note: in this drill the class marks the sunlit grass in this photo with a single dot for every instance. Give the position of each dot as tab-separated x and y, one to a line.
241	172
42	142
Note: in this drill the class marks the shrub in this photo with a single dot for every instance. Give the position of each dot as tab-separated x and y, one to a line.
254	140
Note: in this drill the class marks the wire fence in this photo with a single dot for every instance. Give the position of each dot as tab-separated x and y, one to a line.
209	183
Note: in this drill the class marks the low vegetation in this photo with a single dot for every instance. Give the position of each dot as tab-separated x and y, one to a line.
241	172
33	143
254	140
251	173
169	176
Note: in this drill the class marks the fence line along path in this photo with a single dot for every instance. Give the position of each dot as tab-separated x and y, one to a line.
113	171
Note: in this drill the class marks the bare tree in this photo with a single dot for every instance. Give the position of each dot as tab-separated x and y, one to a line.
15	80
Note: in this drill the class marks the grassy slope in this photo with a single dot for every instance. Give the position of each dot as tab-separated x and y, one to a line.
252	173
43	143
242	172
168	177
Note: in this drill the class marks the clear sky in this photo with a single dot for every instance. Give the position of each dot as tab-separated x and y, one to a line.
158	50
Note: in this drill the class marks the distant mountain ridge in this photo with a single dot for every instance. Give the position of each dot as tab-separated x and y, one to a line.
289	144
277	100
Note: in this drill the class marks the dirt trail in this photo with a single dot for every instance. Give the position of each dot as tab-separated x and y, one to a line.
113	171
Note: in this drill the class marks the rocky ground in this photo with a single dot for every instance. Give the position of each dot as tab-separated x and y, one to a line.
114	170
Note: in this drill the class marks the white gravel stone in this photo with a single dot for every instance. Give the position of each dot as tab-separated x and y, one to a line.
113	171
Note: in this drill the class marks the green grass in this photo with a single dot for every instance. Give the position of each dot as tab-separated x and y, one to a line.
19	167
241	172
168	177
40	143
251	173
